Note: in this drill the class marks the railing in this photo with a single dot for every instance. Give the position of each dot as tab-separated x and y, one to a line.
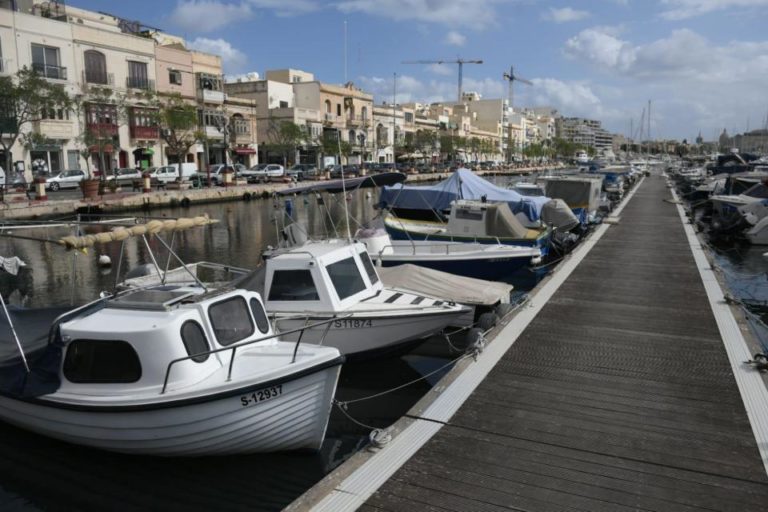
99	129
98	77
139	82
50	71
145	132
234	348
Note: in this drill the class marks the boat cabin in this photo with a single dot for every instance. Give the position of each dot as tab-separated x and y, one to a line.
131	339
479	219
320	277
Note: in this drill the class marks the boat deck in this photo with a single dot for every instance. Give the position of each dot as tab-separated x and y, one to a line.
619	395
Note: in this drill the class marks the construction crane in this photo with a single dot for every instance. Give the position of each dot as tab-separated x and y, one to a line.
512	78
460	62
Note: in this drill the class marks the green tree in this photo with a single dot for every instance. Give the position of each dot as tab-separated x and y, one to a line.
178	125
24	99
285	137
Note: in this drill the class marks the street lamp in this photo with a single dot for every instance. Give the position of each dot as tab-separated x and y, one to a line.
361	140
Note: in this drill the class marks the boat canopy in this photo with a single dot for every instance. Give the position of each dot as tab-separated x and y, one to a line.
463	184
475	218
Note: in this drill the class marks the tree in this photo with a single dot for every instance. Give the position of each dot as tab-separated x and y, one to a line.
178	125
25	98
102	111
285	137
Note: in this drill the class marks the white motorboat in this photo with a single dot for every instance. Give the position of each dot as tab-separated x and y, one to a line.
726	205
172	371
469	259
336	280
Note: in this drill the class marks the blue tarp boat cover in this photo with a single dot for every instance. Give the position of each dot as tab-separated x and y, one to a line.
463	184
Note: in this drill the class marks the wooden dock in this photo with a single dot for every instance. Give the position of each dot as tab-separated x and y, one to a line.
618	396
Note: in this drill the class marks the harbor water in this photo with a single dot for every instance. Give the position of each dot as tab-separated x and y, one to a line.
37	473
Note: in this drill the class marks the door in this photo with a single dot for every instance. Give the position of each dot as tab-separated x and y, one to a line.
73	159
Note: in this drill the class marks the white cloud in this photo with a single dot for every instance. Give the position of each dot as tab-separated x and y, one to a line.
476	14
684	9
455	39
208	15
441	69
601	47
233	60
286	7
411	89
564	15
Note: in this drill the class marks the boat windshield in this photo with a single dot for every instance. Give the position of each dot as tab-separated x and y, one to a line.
758	190
368	265
293	285
346	277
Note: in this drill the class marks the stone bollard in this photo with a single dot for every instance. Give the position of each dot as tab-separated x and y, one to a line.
147	183
227	173
40	192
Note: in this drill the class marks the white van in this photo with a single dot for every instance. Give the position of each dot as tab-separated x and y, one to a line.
169	173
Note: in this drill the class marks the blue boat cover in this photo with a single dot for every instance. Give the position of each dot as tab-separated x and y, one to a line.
463	184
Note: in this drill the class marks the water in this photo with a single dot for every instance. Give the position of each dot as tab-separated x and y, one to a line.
37	473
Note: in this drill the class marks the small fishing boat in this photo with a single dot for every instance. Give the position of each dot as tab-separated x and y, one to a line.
171	371
493	262
335	281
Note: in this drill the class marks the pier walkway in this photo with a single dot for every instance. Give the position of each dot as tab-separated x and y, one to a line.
618	396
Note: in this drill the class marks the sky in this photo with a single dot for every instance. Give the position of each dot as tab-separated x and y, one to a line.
703	64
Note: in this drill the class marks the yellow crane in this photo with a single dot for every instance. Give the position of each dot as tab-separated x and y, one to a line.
460	62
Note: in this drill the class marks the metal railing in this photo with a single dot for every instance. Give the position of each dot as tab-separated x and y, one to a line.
98	77
139	82
50	71
234	348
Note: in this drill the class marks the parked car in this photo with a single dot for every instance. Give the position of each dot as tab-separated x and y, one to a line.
349	171
170	173
65	179
124	175
268	172
302	171
200	179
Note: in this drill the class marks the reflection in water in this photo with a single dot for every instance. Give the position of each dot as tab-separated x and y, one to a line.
37	472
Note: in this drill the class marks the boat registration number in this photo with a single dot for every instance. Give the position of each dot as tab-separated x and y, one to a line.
260	395
351	324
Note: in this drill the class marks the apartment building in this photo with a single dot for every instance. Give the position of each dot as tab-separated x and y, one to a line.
585	132
114	68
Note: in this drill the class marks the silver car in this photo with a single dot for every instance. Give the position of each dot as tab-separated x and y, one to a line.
65	179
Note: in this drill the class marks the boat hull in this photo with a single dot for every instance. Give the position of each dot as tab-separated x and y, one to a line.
363	336
491	269
240	421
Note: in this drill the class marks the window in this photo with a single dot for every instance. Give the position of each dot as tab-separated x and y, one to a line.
194	341
338	109
293	285
174	76
95	67
346	278
211	118
368	266
59	114
45	60
101	114
283	104
327	107
137	75
262	322
101	362
230	320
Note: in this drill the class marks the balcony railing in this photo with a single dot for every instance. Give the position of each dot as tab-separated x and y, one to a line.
145	132
358	120
102	129
50	71
98	77
139	82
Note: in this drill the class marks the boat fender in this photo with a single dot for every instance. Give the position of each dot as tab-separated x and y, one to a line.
487	321
536	261
105	261
379	437
475	342
247	196
502	310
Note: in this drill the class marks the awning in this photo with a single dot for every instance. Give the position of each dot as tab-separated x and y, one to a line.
108	148
46	147
146	151
245	151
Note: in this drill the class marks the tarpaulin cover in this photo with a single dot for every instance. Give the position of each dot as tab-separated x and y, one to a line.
32	326
463	184
557	213
464	290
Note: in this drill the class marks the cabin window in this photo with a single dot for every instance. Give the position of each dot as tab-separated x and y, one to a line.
230	320
262	322
346	278
194	341
293	285
101	362
368	265
465	213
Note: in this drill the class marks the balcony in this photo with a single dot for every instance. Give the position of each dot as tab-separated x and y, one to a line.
95	77
358	121
139	82
210	96
103	129
331	118
212	132
50	71
145	132
241	127
54	128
